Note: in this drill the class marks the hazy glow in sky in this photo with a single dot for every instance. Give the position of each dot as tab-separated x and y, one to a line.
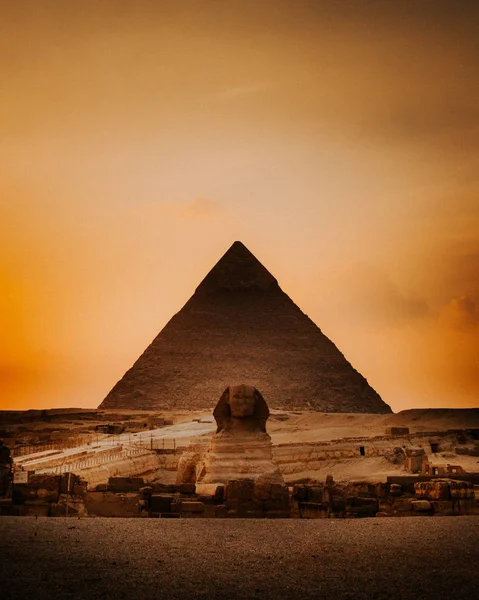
338	140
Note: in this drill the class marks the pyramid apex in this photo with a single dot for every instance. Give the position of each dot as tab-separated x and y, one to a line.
238	269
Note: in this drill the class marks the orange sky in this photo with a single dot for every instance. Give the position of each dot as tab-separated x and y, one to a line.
337	140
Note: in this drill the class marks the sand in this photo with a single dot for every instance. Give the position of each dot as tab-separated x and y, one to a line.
421	558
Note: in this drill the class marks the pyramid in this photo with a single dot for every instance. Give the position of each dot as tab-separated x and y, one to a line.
239	326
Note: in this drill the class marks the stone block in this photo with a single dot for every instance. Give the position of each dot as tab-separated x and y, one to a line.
395	489
279	491
125	484
211	489
210	511
369	510
205	499
443	507
337	504
163	488
360	501
239	489
187	488
466	506
176	503
421	506
79	491
402	507
262	490
382	514
316	494
436	489
47	495
45	482
313	510
277	504
385	506
221	511
160	503
300	493
461	489
190	506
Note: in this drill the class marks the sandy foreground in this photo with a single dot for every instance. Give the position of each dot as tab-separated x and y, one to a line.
159	558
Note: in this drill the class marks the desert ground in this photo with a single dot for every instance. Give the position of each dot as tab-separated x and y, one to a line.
419	557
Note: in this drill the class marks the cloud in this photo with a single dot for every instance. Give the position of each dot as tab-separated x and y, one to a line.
364	294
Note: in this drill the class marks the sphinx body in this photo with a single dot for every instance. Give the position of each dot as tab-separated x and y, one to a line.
240	448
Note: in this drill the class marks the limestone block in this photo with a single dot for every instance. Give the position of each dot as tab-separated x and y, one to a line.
402	507
300	492
360	501
276	504
313	510
187	488
192	507
47	495
221	511
211	489
368	510
443	507
337	504
385	506
461	489
466	506
421	505
239	489
210	511
316	494
436	489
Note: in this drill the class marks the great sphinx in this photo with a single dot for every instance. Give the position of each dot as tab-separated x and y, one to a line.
240	448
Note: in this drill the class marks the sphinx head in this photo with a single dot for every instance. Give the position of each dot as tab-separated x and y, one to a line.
242	405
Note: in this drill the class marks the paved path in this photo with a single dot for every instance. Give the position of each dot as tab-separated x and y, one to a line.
396	558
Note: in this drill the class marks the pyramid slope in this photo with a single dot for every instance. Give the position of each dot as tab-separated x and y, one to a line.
240	327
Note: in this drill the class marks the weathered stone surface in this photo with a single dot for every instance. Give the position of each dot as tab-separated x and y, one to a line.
239	325
125	484
194	507
436	489
443	507
395	489
461	489
316	494
187	488
402	507
313	510
421	505
108	504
